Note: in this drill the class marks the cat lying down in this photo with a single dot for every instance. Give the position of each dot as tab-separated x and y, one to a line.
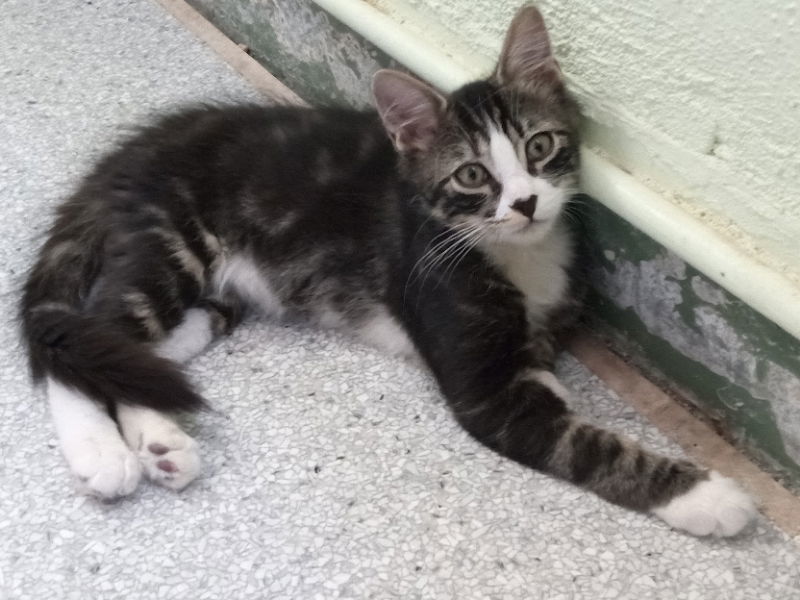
433	226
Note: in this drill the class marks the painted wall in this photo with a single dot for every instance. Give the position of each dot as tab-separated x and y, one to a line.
699	99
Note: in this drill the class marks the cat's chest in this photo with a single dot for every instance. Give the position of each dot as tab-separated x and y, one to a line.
539	271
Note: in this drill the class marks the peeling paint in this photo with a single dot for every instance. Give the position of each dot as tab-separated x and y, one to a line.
783	389
312	53
307	30
706	291
755	367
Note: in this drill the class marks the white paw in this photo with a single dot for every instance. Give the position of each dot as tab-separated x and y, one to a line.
170	458
168	455
105	468
716	506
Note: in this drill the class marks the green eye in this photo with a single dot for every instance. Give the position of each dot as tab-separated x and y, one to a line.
472	175
540	146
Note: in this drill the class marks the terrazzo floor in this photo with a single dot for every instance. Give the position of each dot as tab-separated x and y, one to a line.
331	471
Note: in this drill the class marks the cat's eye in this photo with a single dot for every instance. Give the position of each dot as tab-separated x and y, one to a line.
540	146
472	175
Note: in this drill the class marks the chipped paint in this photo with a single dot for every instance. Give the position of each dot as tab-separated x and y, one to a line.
737	364
706	291
309	51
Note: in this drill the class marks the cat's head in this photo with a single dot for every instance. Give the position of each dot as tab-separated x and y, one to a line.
499	156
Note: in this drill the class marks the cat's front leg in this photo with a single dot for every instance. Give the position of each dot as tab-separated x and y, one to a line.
496	375
528	421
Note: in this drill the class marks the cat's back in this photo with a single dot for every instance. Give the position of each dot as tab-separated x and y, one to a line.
237	168
209	142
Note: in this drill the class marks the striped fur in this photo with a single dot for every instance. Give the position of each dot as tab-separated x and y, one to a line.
447	237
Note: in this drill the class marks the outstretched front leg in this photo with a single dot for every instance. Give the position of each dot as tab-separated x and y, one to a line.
529	422
167	454
474	335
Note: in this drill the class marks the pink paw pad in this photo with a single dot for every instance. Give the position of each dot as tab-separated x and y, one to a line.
157	449
167	466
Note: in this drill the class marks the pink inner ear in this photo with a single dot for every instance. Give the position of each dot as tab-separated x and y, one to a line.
409	109
415	135
527	54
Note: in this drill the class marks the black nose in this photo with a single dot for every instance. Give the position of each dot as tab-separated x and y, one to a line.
527	207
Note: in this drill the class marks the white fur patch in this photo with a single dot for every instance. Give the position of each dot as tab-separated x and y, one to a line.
328	317
189	338
518	184
384	332
537	270
717	506
168	455
91	443
241	274
512	175
550	381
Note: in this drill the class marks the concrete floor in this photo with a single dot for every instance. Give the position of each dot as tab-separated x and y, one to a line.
331	471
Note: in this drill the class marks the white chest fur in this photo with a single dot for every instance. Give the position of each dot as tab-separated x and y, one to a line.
538	270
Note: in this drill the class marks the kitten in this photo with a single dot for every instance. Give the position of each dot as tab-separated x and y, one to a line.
444	238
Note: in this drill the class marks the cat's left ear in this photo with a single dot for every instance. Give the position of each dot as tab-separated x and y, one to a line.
527	57
410	110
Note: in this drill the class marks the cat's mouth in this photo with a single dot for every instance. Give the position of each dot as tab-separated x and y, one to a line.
516	225
518	231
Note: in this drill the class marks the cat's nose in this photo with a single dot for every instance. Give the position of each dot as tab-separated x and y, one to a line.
527	206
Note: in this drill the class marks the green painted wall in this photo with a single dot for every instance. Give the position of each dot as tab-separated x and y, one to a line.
741	368
314	55
737	366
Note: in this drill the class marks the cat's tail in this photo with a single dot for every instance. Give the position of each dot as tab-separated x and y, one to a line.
82	351
529	422
100	361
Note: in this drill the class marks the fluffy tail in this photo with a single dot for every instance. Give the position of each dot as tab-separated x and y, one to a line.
103	363
91	354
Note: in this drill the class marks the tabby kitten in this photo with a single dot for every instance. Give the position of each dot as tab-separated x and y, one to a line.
444	238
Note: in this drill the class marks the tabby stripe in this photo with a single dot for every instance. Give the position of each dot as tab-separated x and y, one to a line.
141	311
587	453
177	248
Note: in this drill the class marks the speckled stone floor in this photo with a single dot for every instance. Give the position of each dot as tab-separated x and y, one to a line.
331	471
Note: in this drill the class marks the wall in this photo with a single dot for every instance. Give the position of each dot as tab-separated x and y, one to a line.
699	99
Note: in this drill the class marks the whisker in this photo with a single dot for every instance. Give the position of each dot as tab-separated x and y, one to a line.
474	240
448	249
435	249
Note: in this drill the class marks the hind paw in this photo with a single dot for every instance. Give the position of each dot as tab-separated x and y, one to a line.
167	454
170	459
106	469
715	506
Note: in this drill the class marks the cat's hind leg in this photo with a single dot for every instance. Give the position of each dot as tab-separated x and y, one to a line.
91	443
168	455
201	325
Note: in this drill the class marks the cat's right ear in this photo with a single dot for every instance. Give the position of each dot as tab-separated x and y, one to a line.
410	110
527	55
